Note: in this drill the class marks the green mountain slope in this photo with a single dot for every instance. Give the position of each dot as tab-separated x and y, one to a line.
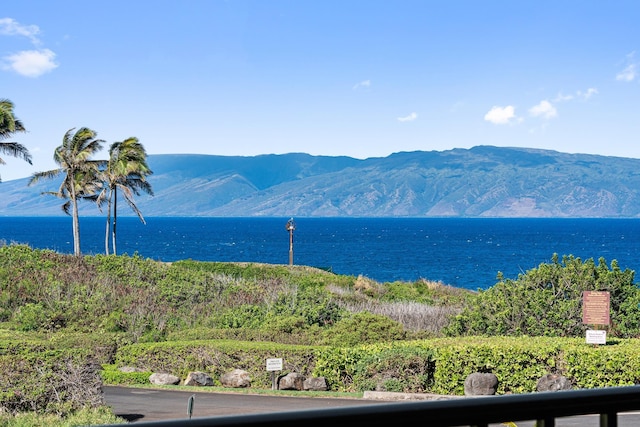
483	181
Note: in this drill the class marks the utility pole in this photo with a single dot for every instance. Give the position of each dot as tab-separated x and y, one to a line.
290	227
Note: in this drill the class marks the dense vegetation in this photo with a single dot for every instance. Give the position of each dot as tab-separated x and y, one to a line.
144	300
65	316
547	301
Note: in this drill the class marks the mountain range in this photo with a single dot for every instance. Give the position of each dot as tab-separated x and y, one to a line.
482	181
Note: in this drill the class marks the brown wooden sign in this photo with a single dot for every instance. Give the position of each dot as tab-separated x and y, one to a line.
595	308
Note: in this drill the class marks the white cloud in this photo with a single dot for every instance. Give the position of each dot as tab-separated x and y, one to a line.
411	117
630	71
31	63
10	27
628	74
501	115
544	109
562	98
585	95
588	94
365	84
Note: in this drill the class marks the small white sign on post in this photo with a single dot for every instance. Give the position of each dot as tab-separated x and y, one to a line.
596	337
274	364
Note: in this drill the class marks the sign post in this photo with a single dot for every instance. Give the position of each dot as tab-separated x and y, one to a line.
273	365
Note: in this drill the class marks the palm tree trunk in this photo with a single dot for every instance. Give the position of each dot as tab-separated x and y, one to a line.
76	223
108	227
115	217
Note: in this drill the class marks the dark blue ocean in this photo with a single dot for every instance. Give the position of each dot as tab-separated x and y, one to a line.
466	253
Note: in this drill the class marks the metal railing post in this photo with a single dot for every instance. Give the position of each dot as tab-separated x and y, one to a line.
609	420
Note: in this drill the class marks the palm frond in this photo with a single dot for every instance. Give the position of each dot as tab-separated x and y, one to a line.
46	175
16	150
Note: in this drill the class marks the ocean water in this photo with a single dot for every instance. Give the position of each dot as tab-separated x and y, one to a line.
466	253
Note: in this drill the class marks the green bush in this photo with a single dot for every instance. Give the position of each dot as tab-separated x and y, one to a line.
517	362
31	317
442	365
110	374
363	328
248	316
84	417
398	366
547	301
48	383
614	364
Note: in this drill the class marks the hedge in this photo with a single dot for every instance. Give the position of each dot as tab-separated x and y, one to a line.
425	366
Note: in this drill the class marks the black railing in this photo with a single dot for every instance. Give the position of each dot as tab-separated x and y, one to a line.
545	408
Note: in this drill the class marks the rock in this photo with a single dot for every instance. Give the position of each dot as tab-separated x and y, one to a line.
315	384
236	379
128	369
553	382
480	384
164	379
198	379
291	381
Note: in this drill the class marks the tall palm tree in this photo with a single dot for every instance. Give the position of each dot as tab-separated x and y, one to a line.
127	171
9	125
81	174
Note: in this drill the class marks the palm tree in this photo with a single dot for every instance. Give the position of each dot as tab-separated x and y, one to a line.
81	174
127	171
9	125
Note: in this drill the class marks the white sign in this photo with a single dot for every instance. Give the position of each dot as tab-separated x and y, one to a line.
274	364
596	337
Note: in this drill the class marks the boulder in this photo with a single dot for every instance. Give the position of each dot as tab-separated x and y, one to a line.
236	379
199	379
164	379
291	381
480	384
553	382
315	384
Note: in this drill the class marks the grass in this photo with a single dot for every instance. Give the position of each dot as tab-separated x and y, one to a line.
251	391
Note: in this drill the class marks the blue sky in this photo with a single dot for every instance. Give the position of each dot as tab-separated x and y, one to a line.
355	78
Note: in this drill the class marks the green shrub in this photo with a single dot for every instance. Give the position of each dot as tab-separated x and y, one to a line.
398	366
363	328
315	306
83	417
48	383
547	301
110	374
614	364
402	367
517	362
285	324
245	316
31	317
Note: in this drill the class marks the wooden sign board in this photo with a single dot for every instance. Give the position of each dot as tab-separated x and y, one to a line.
595	308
